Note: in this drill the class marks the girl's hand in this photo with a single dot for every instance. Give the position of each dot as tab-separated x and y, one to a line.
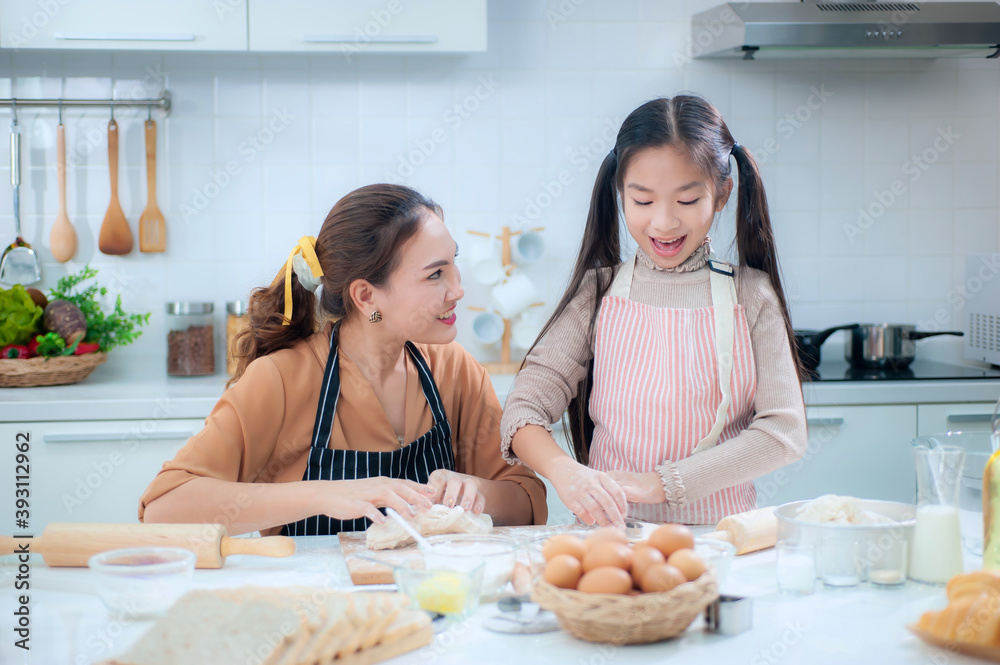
452	489
350	499
593	496
640	487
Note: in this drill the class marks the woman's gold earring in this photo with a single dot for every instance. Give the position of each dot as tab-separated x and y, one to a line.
375	317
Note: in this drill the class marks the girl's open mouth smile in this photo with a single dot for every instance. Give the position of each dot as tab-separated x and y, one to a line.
667	249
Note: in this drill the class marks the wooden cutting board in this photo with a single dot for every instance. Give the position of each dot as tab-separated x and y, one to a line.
368	572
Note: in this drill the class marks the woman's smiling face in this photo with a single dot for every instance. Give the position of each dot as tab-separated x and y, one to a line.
669	204
419	300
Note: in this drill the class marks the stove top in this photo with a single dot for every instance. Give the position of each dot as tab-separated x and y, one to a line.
919	370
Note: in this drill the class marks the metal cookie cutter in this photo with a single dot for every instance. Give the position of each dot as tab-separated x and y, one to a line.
730	615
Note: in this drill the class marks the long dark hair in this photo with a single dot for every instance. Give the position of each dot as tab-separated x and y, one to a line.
691	123
360	239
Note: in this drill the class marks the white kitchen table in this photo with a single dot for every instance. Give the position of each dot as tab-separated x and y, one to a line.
865	624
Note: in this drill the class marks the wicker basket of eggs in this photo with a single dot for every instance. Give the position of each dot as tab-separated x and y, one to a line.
602	588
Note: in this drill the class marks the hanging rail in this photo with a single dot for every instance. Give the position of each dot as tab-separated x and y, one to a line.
162	102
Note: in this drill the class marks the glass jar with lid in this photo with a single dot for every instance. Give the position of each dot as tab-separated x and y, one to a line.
190	339
236	320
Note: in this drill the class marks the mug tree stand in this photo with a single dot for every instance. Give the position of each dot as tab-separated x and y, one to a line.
505	366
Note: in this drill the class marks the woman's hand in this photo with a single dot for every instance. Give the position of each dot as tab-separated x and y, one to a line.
593	496
453	489
640	487
350	499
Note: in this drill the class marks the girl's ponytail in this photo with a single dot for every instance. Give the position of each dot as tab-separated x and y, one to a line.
265	315
601	248
754	234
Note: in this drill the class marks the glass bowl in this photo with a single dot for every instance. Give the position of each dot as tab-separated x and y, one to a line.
453	593
142	582
718	554
464	552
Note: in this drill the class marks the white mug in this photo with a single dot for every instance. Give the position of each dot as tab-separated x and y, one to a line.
529	247
513	296
488	328
484	262
524	333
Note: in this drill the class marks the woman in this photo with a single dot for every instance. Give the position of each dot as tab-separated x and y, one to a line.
378	409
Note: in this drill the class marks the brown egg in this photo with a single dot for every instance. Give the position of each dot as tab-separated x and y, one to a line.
672	537
662	577
644	556
688	562
607	579
563	543
604	534
608	554
563	571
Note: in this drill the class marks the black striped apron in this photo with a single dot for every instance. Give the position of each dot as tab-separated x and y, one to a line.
414	462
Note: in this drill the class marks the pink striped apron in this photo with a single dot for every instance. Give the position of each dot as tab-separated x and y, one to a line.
657	396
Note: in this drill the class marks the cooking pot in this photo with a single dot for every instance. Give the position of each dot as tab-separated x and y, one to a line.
807	343
885	345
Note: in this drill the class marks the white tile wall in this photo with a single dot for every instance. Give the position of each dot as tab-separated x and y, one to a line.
300	131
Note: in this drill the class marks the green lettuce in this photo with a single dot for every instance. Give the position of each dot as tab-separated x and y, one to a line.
19	316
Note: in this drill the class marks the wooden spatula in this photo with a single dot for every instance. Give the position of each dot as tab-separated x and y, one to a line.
62	238
152	226
116	236
65	544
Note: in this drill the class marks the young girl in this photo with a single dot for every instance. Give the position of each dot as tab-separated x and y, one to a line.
677	368
379	407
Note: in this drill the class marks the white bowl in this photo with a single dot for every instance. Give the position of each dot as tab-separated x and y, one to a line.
142	582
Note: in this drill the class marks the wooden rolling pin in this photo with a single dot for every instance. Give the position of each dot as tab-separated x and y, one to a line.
750	531
73	544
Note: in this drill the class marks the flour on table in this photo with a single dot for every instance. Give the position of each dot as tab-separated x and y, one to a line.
436	520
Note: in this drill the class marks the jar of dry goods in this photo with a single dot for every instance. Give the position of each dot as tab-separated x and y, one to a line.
236	320
190	339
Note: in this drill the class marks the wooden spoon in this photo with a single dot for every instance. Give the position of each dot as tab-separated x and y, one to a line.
116	236
152	226
62	239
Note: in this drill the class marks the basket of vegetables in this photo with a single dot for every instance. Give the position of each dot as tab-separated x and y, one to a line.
60	338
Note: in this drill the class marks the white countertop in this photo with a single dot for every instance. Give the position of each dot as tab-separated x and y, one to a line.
864	624
134	388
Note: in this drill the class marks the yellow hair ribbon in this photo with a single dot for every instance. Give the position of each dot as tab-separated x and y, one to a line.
306	247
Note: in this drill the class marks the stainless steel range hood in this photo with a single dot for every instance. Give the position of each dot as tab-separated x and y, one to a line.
810	29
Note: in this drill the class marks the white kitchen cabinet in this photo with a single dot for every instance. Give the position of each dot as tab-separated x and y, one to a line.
941	418
160	25
87	471
368	26
862	451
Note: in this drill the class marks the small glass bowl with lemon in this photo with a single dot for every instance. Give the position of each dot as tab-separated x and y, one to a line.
452	593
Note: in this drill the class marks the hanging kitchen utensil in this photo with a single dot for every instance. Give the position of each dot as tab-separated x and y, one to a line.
116	237
808	343
885	345
19	264
152	226
62	238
